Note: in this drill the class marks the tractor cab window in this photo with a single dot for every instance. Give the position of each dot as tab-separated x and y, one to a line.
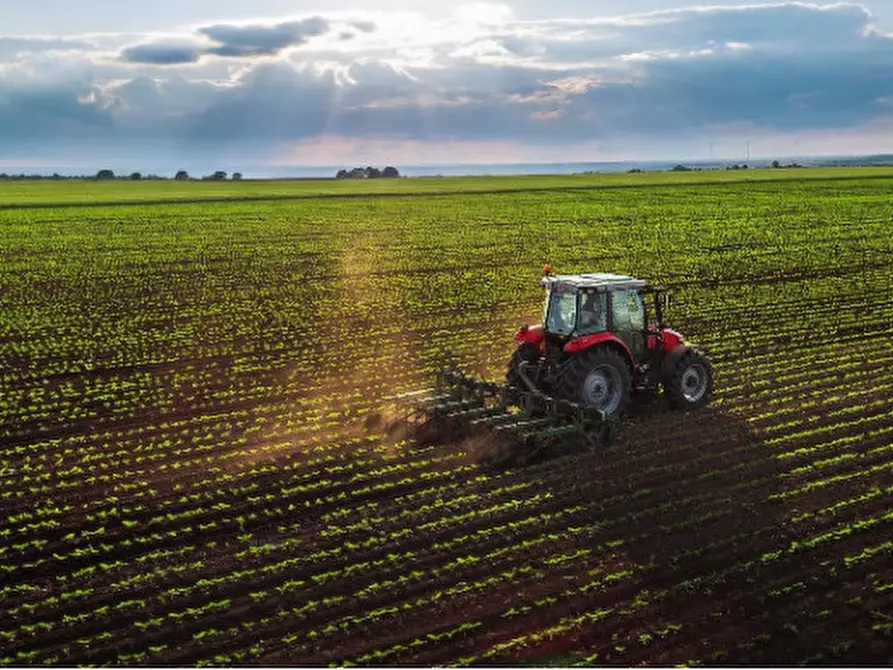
593	312
561	312
628	310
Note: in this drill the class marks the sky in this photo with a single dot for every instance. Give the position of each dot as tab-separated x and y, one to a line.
176	84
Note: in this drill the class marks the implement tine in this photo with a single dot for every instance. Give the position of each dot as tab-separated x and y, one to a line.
524	424
409	394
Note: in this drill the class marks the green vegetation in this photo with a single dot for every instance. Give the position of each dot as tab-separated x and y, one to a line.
189	473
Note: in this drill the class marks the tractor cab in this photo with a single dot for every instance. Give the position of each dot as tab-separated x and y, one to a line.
592	304
578	305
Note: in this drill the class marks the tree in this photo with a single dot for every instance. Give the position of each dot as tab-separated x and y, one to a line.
372	172
136	176
219	175
237	176
182	175
776	164
341	174
105	174
390	172
681	168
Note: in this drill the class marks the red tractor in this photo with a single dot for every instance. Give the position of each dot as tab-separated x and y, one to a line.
602	337
571	377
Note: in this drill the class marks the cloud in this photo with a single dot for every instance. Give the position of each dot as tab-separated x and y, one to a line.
256	40
162	53
643	82
13	45
551	115
236	41
362	25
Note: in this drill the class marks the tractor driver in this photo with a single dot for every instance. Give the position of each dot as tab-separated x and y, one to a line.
592	316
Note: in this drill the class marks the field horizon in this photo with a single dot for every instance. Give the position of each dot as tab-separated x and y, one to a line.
459	169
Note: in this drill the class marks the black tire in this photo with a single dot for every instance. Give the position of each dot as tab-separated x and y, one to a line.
526	352
690	382
599	378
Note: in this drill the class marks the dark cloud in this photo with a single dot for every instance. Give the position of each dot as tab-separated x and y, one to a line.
59	113
254	40
230	41
161	53
363	25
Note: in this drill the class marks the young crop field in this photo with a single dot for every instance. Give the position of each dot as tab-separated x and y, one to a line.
190	473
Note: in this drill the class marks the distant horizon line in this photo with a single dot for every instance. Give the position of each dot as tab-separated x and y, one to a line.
814	161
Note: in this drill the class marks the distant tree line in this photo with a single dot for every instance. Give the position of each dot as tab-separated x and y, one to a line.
181	175
776	165
684	168
368	172
106	174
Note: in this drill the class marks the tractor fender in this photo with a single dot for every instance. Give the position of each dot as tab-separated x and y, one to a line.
671	339
579	344
530	334
672	358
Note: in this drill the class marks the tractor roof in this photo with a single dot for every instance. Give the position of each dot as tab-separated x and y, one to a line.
598	280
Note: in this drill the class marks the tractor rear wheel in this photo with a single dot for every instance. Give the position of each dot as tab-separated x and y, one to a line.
598	378
690	382
526	352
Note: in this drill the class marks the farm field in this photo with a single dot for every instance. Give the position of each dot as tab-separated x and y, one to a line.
188	476
44	193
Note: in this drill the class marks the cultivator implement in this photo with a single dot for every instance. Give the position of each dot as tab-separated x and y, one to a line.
516	424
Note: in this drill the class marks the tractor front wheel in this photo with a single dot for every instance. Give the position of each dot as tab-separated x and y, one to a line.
598	378
690	382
